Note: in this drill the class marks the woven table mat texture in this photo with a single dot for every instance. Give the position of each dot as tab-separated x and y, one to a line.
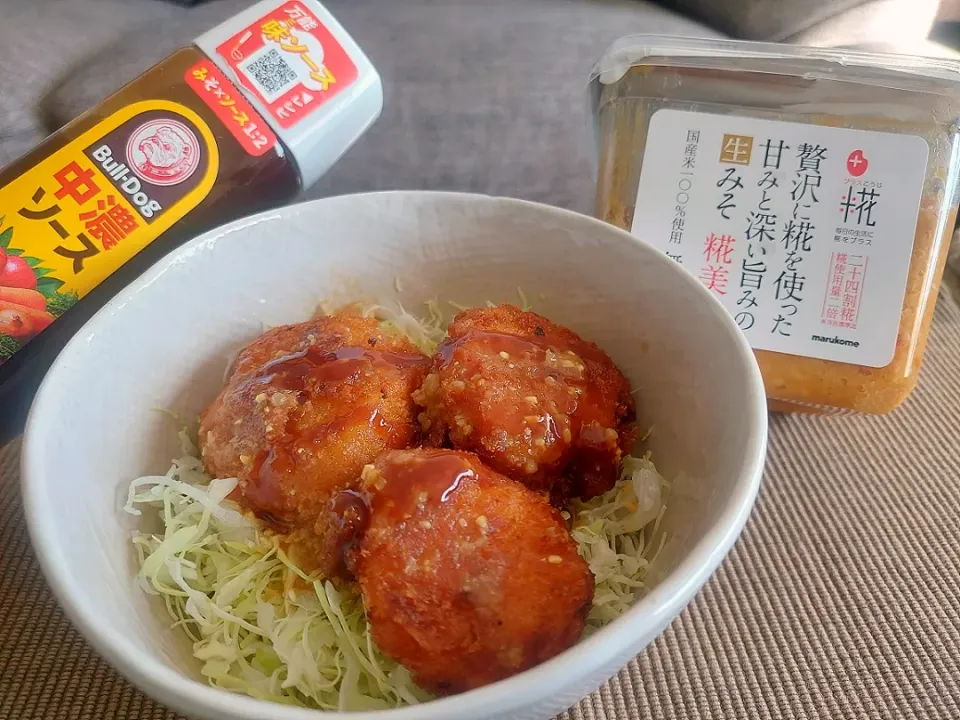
840	600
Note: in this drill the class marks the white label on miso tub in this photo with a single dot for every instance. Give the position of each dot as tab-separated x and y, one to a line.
804	232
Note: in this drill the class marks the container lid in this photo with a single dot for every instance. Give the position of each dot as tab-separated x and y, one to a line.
303	73
903	72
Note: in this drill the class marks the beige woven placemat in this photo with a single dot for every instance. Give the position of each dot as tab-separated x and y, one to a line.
841	599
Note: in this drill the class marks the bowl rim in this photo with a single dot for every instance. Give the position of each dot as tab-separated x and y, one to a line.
635	628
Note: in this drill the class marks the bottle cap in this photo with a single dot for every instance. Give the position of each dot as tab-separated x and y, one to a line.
303	73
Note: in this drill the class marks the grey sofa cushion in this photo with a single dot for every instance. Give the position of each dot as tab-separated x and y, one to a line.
816	22
479	96
40	40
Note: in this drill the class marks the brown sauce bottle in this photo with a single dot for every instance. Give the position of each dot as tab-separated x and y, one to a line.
241	122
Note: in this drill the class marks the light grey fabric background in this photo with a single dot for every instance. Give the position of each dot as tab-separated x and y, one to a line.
840	602
482	95
830	22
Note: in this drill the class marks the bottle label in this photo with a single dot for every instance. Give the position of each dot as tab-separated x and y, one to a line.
81	213
246	125
290	61
804	232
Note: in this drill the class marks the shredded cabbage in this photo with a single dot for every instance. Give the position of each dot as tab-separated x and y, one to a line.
426	333
259	625
615	533
262	627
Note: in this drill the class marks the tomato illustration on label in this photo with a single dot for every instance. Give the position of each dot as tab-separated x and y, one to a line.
30	296
856	163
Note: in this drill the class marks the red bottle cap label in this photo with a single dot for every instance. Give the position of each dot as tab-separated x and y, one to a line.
290	61
246	125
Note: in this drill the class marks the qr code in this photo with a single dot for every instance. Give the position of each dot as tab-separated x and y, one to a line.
271	73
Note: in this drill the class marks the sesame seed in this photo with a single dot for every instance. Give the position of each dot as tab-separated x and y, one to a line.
277	398
530	467
554	559
551	380
262	397
461	522
504	354
238	421
426	524
532	399
564	514
457	385
567	435
540	442
269	427
245	460
481	520
422	498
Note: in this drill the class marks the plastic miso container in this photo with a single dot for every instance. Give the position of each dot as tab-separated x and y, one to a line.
814	192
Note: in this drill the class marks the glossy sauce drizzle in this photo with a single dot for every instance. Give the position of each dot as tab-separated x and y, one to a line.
351	513
410	481
426	477
314	364
318	370
570	389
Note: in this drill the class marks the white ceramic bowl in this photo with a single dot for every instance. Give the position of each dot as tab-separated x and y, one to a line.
163	343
